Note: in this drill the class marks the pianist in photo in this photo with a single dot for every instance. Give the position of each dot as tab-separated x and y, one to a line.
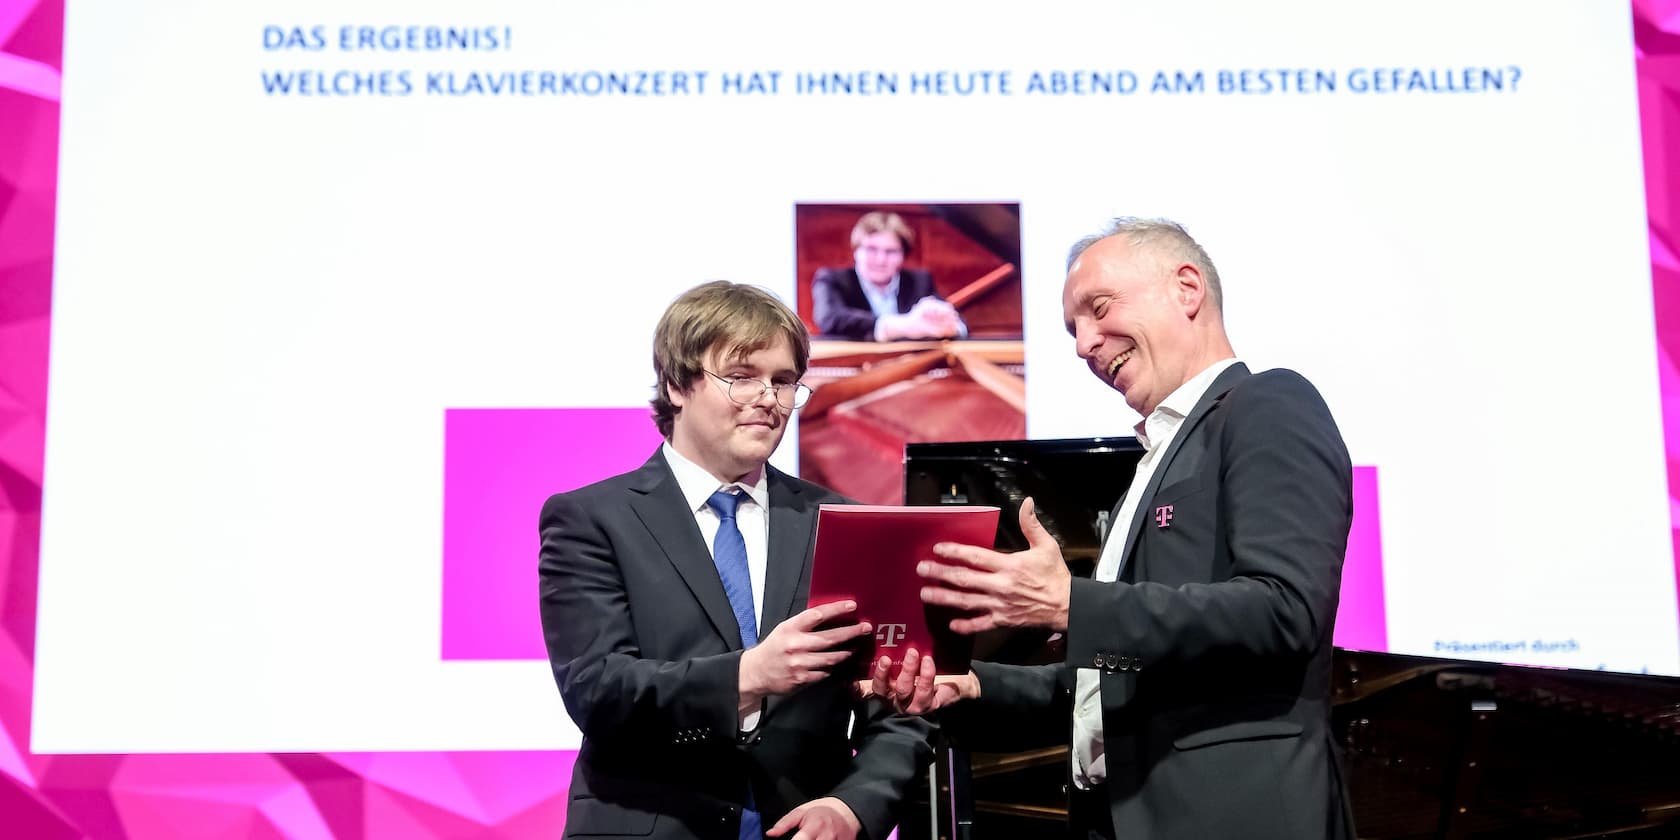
877	298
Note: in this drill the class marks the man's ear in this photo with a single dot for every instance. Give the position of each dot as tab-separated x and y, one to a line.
1190	289
674	395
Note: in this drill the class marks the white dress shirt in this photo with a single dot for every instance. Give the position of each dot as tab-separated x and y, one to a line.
1155	432
752	517
883	301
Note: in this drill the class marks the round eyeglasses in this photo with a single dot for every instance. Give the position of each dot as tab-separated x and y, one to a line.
745	390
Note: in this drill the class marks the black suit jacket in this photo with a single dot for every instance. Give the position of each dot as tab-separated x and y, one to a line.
841	310
647	654
1214	646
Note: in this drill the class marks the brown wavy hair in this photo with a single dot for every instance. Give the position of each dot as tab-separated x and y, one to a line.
734	318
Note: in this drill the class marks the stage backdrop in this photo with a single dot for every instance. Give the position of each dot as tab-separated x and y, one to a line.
337	288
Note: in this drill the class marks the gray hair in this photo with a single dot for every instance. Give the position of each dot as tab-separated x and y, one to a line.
1166	238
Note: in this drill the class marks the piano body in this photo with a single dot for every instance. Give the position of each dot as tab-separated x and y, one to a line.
1433	748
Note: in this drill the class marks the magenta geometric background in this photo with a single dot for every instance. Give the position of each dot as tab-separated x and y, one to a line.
1656	37
348	796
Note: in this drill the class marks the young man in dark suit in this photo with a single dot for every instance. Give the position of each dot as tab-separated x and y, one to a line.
878	299
674	607
1195	695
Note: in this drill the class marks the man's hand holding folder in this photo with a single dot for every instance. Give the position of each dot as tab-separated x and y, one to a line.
985	589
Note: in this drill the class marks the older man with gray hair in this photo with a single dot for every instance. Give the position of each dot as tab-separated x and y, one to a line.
1196	690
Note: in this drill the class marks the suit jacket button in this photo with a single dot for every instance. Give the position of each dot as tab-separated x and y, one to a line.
1096	661
1111	660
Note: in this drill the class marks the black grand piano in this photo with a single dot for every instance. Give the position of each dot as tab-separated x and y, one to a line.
1434	748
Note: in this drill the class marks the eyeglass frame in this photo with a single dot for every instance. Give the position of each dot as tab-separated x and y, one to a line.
770	387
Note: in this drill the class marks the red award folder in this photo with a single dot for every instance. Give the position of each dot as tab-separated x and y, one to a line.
868	554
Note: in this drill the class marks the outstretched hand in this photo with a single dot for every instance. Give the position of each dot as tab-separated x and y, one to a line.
1028	588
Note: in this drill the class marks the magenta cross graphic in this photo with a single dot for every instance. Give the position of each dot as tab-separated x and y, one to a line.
1163	516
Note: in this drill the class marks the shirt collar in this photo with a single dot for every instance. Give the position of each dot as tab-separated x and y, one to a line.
698	485
1165	418
887	292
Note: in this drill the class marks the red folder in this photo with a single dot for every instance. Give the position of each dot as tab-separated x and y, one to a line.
868	554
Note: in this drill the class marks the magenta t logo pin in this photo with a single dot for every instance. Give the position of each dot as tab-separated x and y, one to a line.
1163	516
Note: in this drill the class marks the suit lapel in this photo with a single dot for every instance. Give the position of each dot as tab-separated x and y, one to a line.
658	502
793	522
1224	382
906	294
792	525
855	297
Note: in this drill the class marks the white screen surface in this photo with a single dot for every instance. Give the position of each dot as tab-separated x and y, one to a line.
264	304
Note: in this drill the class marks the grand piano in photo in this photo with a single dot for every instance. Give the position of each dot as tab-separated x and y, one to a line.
1433	748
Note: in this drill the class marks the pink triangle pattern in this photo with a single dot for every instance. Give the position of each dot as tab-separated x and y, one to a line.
1656	33
411	795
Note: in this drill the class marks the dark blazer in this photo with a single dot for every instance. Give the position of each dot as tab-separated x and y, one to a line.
647	654
841	310
1213	647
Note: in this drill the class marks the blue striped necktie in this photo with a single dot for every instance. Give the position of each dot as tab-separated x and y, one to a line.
729	554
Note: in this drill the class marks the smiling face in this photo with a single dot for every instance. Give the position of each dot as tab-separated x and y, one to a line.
1133	313
878	257
728	439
